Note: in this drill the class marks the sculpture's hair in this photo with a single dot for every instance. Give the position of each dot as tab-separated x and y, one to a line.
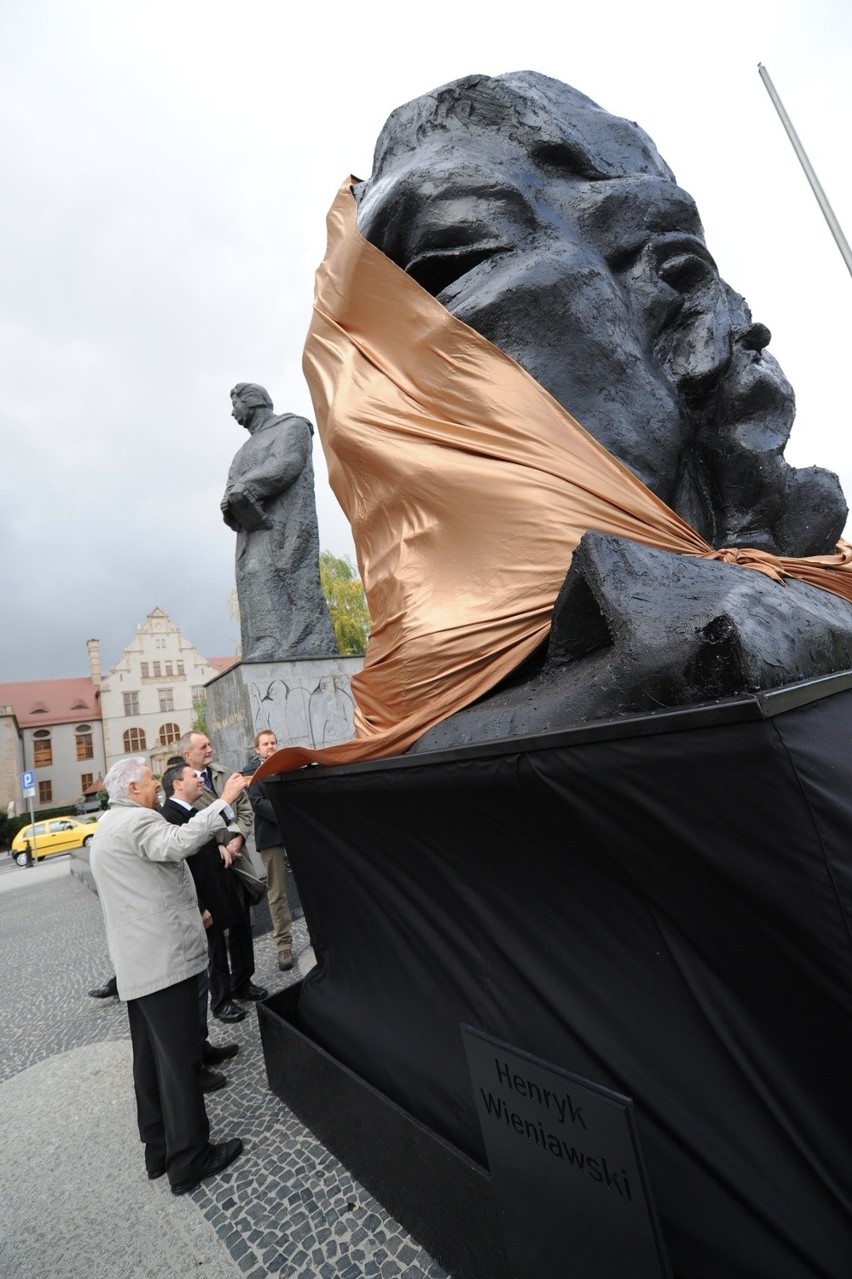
123	772
552	118
171	775
264	732
252	394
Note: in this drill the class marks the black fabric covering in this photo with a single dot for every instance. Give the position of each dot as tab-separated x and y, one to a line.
667	915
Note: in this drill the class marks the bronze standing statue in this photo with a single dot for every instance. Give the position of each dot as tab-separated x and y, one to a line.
269	503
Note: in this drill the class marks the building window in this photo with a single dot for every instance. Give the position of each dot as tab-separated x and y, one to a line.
167	699
180	669
131	703
144	670
45	792
42	748
86	780
169	733
169	668
157	671
134	740
197	692
85	746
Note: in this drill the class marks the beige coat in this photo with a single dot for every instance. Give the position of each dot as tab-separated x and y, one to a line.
154	931
242	809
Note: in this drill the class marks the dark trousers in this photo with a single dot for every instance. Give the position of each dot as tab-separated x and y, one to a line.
231	961
203	991
170	1110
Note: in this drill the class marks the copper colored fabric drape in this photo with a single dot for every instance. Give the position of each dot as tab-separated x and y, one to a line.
467	487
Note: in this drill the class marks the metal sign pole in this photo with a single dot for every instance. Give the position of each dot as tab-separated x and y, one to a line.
816	187
28	792
32	826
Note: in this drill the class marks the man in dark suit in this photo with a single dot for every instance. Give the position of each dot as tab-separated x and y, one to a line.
231	953
219	900
270	847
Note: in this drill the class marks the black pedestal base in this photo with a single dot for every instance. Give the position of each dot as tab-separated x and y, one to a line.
661	906
442	1197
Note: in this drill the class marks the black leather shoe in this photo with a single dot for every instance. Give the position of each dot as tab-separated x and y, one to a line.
230	1012
216	1160
284	965
218	1053
109	990
154	1173
211	1080
250	991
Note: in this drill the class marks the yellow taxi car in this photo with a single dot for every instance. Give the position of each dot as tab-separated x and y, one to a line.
55	835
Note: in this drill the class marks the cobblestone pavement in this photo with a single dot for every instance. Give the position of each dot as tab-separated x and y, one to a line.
75	1199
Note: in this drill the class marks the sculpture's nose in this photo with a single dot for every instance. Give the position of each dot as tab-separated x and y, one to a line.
756	337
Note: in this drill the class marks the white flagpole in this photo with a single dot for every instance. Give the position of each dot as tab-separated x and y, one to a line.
822	200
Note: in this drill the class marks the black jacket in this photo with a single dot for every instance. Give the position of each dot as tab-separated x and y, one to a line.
218	890
267	832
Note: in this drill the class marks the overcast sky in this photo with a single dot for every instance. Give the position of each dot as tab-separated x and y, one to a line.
167	169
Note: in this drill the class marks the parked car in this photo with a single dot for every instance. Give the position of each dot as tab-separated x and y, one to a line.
56	835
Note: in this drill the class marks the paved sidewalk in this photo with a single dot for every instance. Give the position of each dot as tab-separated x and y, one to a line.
74	1195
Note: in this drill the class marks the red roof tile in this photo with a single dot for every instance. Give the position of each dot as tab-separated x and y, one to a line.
222	664
52	701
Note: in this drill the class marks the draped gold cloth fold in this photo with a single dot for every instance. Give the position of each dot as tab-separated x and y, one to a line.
467	487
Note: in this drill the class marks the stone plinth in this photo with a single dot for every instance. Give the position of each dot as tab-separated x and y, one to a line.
305	701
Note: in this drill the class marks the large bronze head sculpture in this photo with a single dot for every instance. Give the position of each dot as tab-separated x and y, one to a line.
557	231
528	373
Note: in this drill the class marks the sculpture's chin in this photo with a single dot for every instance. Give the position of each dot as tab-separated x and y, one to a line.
814	512
761	501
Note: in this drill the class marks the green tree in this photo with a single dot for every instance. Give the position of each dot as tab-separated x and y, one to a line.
9	827
233	607
347	604
199	714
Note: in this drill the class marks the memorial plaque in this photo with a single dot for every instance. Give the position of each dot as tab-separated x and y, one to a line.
566	1169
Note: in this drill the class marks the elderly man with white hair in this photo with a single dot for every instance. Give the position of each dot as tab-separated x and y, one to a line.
157	943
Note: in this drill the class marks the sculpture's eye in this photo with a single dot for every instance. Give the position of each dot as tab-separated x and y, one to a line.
435	269
568	158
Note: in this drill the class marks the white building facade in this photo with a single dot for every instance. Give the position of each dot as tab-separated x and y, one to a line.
149	697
